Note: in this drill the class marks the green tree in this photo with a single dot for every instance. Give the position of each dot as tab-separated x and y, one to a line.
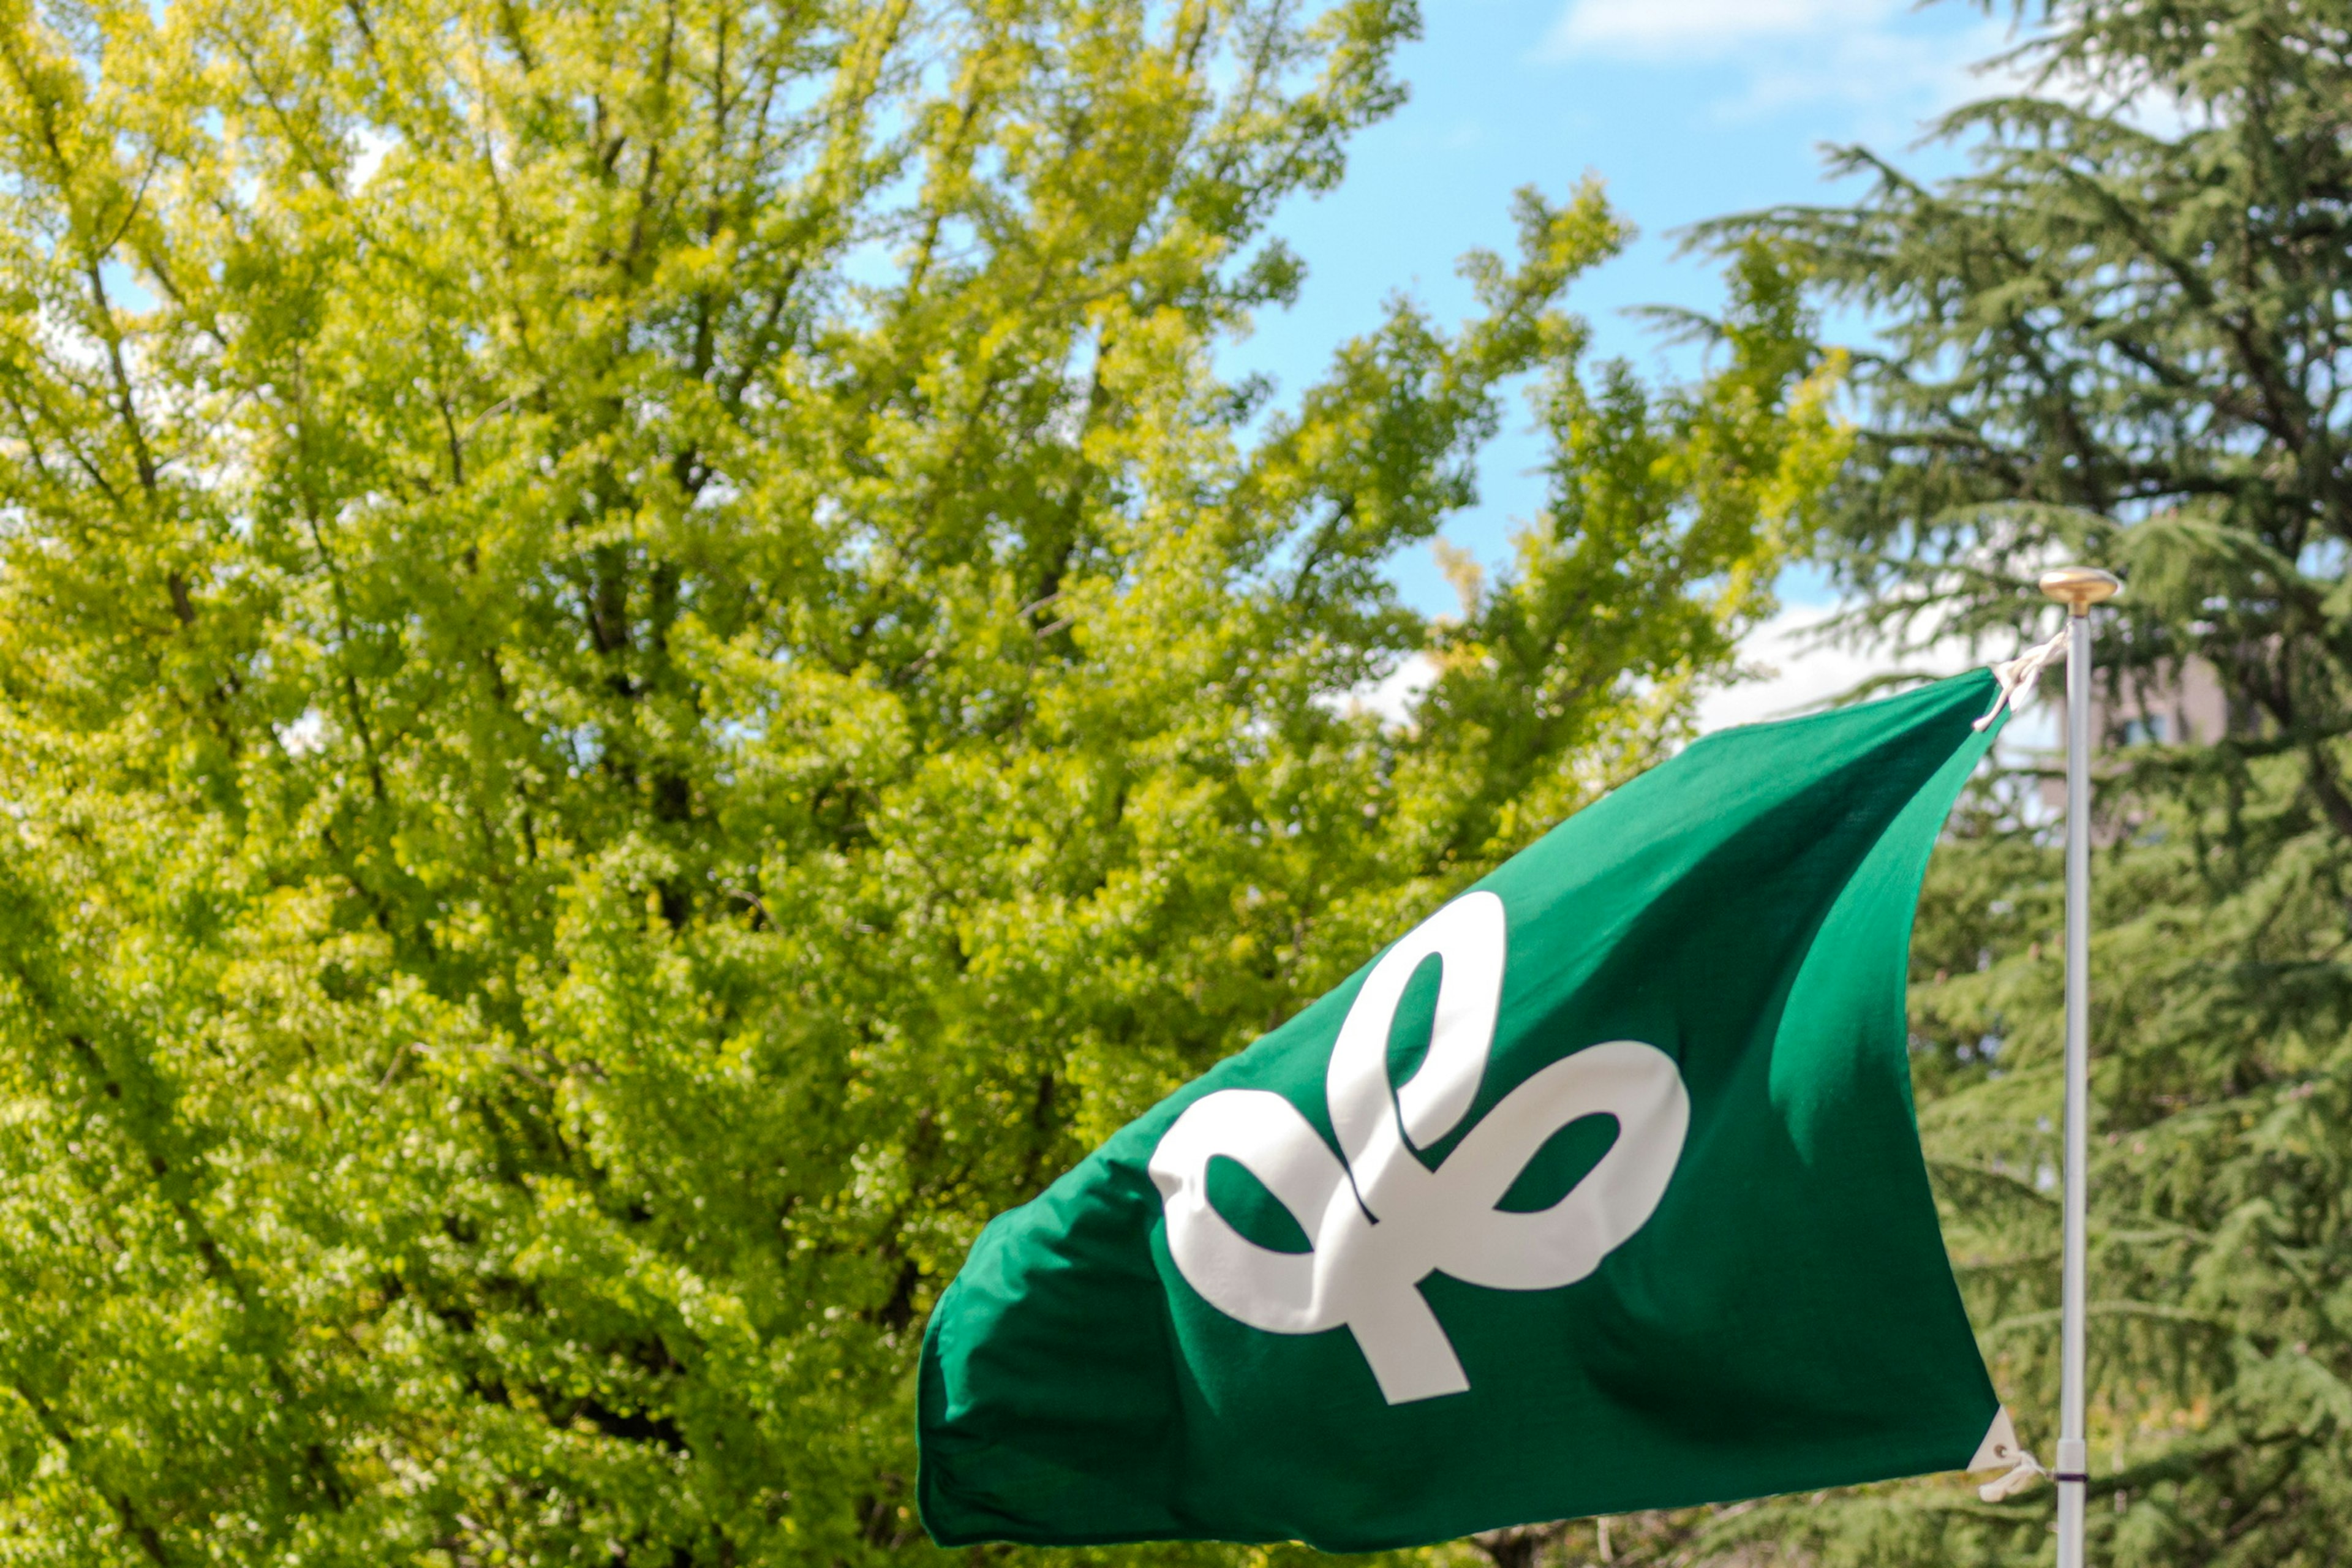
645	670
2121	336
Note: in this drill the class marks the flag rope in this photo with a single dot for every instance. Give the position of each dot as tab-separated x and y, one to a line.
2027	1470
2016	674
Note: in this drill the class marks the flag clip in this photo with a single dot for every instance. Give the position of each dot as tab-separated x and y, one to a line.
2015	675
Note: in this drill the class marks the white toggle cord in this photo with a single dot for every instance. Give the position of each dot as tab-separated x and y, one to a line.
2018	674
2001	1447
1379	1218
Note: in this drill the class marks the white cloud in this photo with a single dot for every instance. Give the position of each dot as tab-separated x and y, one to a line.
1394	696
368	149
1807	674
1880	57
1799	673
1680	28
304	734
1921	77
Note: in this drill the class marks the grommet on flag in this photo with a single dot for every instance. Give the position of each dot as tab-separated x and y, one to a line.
2001	1447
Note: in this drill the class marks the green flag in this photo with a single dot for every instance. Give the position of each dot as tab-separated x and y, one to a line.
1599	1191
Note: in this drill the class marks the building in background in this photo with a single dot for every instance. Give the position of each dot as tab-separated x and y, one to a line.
2191	710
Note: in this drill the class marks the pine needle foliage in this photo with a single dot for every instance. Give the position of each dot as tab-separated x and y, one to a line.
2121	335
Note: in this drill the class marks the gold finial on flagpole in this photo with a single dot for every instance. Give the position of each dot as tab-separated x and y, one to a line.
2080	587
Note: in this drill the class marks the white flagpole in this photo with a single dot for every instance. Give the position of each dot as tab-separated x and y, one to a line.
2078	588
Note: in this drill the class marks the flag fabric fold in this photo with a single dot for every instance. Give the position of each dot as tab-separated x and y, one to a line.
1598	1191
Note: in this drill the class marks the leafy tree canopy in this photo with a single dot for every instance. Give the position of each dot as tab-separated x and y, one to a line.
644	669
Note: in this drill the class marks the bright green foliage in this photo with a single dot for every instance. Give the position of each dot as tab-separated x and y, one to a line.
2124	337
644	671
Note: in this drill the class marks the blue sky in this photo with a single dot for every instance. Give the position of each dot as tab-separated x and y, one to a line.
1686	109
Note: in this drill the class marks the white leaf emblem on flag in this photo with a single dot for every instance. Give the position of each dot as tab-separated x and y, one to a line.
1382	1221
